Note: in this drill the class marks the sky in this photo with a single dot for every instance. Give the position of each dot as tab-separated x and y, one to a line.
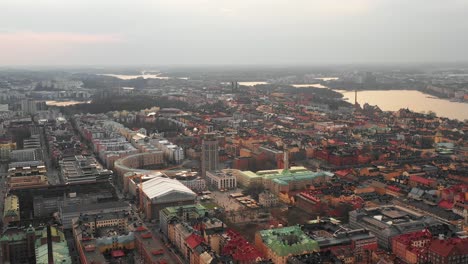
232	32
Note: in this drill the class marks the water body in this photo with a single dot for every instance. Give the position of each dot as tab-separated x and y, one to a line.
129	77
327	78
393	100
65	103
314	85
251	83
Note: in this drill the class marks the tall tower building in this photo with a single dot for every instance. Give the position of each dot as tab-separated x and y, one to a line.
209	155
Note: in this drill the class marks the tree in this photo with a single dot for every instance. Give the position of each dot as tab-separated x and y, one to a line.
254	190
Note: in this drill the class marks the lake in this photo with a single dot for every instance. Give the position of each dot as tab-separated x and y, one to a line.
393	100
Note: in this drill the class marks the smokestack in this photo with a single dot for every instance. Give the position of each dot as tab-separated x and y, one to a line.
355	97
286	157
50	253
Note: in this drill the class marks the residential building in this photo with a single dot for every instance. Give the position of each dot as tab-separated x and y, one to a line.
68	212
280	243
183	213
447	251
11	210
26	175
268	199
412	247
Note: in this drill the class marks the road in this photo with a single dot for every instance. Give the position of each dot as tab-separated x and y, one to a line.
53	176
169	255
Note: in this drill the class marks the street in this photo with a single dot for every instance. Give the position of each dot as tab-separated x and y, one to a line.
53	176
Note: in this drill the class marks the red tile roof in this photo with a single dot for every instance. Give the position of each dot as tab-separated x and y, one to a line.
117	253
193	240
240	249
419	179
446	204
449	247
393	188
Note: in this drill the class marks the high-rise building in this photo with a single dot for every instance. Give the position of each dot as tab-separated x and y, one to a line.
28	106
209	157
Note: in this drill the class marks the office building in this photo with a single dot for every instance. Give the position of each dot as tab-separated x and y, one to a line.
387	221
81	169
210	155
221	180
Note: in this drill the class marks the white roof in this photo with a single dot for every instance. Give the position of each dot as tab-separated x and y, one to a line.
159	187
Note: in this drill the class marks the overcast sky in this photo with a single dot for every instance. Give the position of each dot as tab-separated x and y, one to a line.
157	32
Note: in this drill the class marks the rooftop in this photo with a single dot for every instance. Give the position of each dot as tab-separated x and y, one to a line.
159	187
288	240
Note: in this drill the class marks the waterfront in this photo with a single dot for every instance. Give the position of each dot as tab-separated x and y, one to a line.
393	100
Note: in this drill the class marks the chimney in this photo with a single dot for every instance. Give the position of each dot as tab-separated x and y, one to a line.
286	157
50	253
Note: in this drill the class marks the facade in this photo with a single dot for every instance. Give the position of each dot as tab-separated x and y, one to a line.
136	163
209	155
267	199
28	106
69	212
26	175
412	247
388	221
6	146
25	155
182	213
11	210
246	178
280	243
222	180
284	180
191	180
452	250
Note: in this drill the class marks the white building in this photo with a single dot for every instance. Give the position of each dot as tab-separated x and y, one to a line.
222	180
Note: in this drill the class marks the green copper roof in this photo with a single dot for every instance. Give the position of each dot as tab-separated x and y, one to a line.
198	208
288	240
61	253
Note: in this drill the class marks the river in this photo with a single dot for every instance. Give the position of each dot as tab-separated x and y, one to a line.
393	100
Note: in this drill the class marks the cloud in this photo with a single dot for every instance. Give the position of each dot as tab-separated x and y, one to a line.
58	37
50	47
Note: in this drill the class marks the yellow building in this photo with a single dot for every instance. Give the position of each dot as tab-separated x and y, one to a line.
5	149
11	211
